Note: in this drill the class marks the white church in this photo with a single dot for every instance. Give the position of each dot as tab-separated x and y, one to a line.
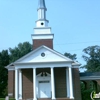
44	74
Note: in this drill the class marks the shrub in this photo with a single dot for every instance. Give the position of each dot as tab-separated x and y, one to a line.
86	94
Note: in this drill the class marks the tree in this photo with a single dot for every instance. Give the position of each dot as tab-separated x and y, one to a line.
21	50
73	57
4	61
92	58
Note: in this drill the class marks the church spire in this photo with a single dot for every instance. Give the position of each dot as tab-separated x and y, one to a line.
42	33
42	22
41	4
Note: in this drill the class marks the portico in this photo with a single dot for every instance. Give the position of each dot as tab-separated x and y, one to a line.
47	80
40	75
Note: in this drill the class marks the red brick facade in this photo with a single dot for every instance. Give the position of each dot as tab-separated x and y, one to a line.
27	77
39	42
98	85
11	83
76	84
60	83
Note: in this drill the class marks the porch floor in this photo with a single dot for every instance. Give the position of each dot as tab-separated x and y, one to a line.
50	99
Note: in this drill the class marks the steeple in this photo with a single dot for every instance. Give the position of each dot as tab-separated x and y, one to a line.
42	22
42	33
41	4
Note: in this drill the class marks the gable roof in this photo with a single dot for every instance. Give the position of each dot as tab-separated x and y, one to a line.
48	52
43	54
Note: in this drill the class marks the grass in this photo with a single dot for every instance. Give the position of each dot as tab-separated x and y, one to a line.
9	99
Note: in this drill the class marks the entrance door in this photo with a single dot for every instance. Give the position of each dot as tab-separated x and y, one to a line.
44	89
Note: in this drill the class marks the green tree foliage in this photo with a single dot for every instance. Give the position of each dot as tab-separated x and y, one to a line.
4	61
73	57
92	58
19	51
86	92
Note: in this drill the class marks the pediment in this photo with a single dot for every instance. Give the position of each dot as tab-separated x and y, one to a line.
43	54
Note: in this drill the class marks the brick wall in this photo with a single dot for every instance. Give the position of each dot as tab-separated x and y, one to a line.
27	78
60	82
98	85
46	42
11	83
98	81
76	84
87	84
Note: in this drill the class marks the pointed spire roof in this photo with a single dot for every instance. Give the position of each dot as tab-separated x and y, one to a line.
41	4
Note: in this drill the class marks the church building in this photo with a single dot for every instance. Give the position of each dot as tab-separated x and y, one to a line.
44	74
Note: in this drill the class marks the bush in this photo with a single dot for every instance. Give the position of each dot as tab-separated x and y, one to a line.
86	94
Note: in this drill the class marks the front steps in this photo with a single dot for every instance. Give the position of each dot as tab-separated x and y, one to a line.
44	99
55	99
50	99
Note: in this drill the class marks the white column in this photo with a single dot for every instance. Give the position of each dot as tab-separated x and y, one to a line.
70	83
67	83
16	84
52	83
20	84
34	83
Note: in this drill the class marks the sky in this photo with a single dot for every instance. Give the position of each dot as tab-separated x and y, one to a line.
75	24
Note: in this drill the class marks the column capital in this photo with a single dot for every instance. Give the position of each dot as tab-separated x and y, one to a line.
51	67
34	67
16	68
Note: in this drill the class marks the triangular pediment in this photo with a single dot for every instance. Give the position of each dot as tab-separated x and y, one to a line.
43	54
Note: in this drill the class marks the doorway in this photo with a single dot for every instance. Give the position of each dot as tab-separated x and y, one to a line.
44	89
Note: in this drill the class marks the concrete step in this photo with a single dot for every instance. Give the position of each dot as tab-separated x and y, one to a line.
44	99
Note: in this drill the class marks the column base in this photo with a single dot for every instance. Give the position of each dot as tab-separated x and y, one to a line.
34	98
53	98
20	98
71	97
